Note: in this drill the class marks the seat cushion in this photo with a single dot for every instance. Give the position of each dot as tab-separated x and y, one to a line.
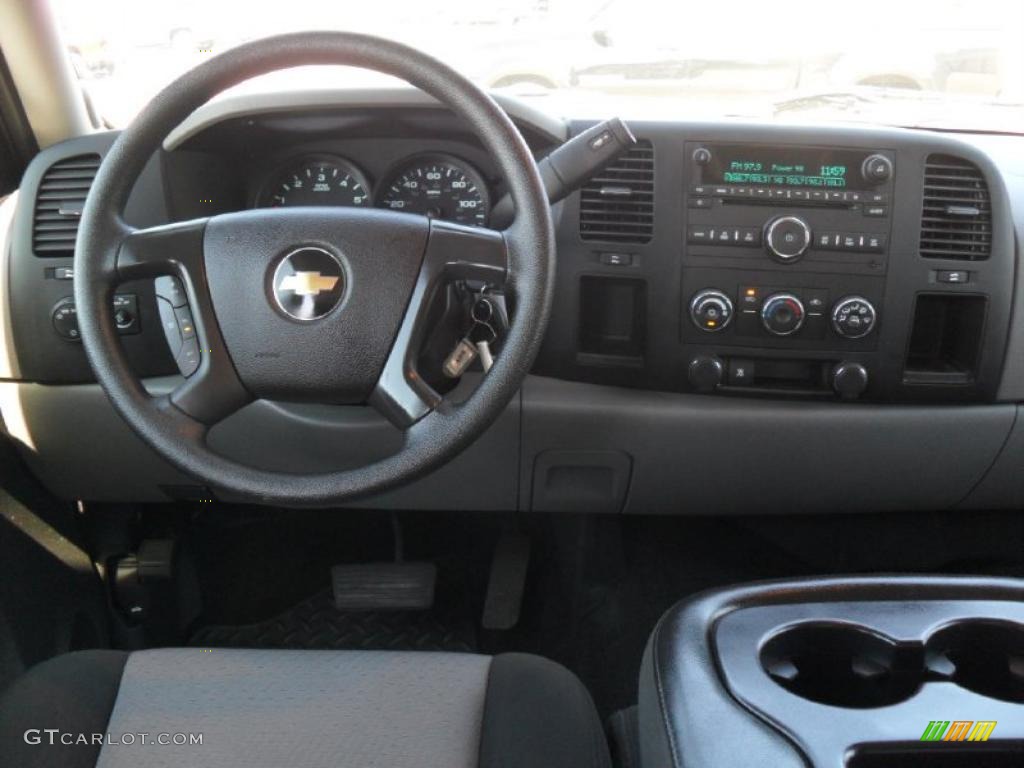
257	708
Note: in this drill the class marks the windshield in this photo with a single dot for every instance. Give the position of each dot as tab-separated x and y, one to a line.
956	64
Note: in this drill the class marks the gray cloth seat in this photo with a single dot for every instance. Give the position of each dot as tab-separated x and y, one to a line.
315	709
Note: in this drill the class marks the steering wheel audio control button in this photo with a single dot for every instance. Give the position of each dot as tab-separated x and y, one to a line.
189	357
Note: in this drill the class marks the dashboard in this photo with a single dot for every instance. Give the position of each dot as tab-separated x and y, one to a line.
749	318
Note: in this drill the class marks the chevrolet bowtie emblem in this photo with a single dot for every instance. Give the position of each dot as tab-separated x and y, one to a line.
308	283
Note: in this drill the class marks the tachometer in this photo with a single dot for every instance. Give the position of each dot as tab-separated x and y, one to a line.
438	186
319	181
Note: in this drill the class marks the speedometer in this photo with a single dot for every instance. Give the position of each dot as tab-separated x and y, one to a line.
440	187
319	181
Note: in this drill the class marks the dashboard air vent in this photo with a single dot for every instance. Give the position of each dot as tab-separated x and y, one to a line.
956	222
617	205
59	204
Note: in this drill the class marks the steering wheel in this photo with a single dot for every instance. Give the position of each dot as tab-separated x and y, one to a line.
312	304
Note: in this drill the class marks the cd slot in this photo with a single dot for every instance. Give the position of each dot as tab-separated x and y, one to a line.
793	203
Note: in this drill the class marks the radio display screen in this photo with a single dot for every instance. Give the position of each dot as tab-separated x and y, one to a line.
783	166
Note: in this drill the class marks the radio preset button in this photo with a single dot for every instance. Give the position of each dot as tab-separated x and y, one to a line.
865	242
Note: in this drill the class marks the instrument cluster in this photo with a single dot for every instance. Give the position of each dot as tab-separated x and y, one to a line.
435	185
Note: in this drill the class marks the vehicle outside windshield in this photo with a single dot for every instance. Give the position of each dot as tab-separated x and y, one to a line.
953	64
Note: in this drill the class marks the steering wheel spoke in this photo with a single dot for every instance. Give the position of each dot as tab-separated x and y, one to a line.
454	252
173	254
170	249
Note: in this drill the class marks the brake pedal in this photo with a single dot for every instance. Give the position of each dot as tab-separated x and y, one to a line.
384	586
508	580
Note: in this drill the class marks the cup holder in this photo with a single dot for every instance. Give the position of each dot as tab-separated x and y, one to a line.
985	656
844	665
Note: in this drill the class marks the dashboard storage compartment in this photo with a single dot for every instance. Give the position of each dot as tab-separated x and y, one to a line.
945	339
613	321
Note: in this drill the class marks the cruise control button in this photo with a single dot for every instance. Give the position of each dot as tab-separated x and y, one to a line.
186	327
170	325
188	358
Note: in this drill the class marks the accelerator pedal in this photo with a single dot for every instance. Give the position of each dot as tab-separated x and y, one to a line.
508	580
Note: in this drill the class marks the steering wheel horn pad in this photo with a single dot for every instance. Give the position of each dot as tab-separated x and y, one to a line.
336	358
254	280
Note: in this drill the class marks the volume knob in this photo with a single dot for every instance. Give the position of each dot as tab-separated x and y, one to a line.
787	238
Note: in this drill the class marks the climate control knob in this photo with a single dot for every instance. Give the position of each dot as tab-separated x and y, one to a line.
782	314
711	310
854	317
787	238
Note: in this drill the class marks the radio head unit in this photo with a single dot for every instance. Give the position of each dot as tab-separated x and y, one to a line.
829	206
788	167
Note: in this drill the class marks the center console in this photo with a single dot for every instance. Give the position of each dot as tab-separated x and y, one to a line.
838	673
795	262
792	272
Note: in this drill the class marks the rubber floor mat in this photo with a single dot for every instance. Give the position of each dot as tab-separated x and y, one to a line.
317	624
